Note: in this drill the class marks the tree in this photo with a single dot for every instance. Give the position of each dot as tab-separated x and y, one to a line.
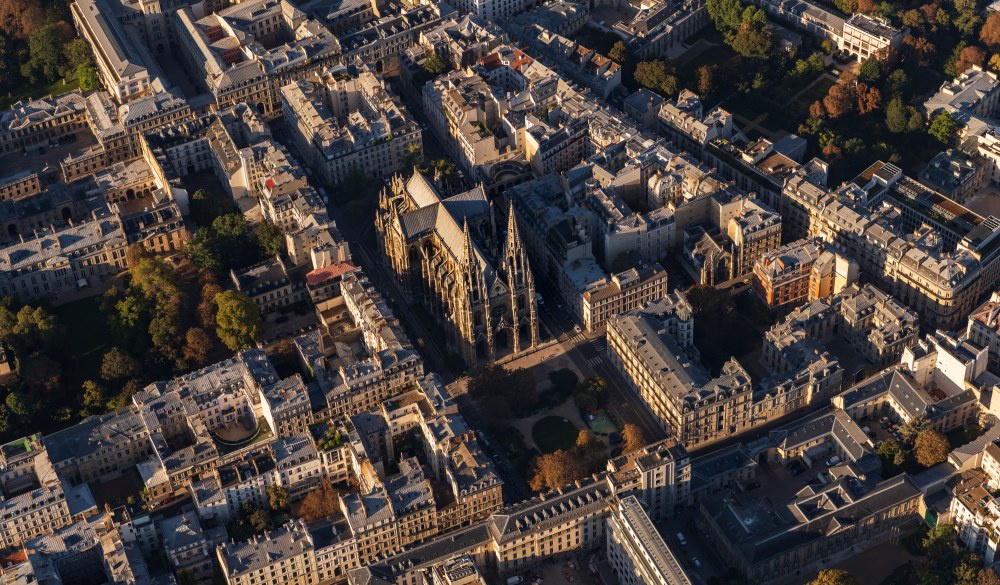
88	78
413	156
555	470
987	577
887	451
277	498
238	320
754	37
968	57
967	17
434	64
706	79
320	503
896	116
260	520
207	308
77	54
868	98
18	404
931	448
652	74
870	70
271	239
726	14
990	33
202	250
943	127
939	543
589	450
618	52
19	18
834	577
94	397
45	59
839	100
633	438
898	83
197	346
117	365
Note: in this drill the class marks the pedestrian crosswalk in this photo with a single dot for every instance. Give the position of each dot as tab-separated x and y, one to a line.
599	345
577	338
595	361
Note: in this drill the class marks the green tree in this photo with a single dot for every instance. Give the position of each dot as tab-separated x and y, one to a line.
939	544
44	57
898	82
88	78
260	520
94	398
238	320
77	54
271	239
754	38
434	64
943	127
277	498
896	118
870	70
203	251
726	14
657	75
18	404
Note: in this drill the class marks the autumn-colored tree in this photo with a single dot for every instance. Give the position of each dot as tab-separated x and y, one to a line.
970	56
834	577
839	100
817	110
706	79
19	18
990	33
320	503
632	437
931	448
867	6
832	152
589	450
118	365
995	63
197	346
919	48
913	19
868	98
987	577
618	52
207	308
555	470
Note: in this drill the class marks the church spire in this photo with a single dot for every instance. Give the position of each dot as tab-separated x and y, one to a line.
516	259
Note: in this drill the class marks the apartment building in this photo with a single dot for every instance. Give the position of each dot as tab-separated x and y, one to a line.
666	373
285	555
122	61
776	545
602	297
32	123
247	52
983	329
286	407
636	550
941	284
33	500
783	275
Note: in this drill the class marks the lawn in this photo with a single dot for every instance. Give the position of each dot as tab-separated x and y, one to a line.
553	433
37	91
86	326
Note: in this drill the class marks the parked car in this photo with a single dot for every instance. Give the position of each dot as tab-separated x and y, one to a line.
833	461
696	562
